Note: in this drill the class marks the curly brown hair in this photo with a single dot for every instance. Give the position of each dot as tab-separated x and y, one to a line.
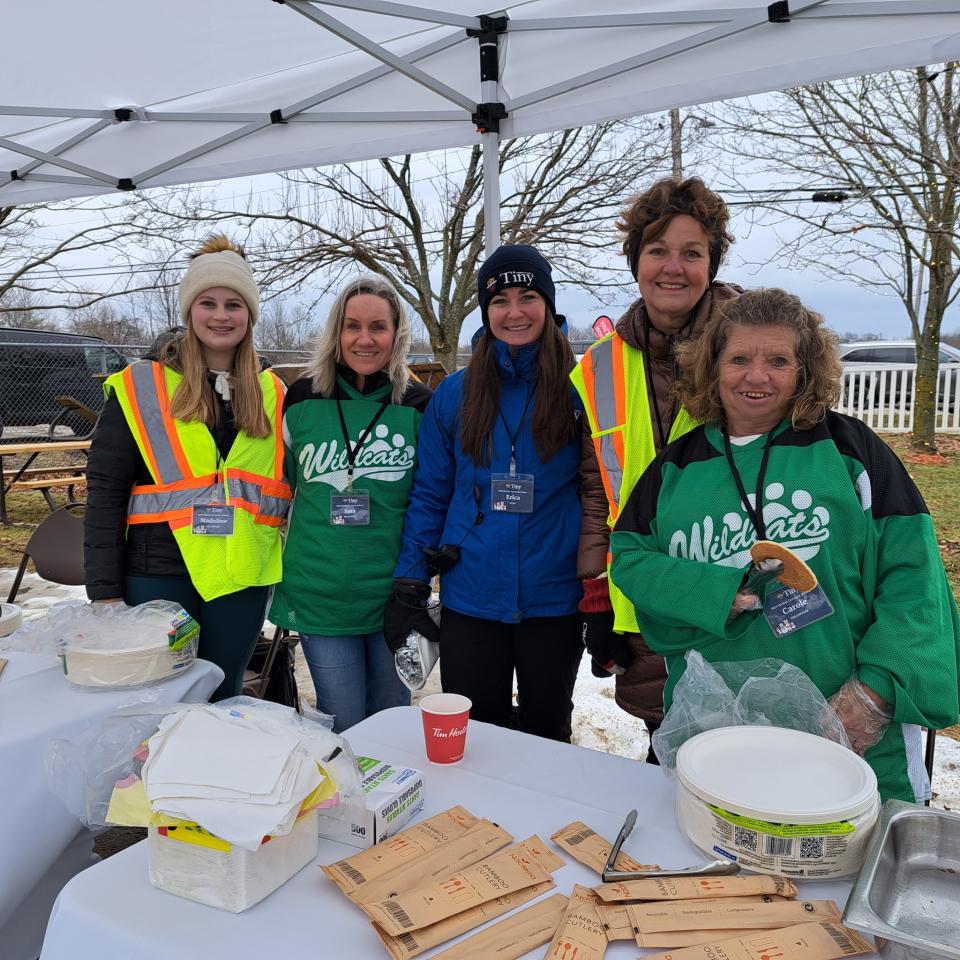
819	376
647	217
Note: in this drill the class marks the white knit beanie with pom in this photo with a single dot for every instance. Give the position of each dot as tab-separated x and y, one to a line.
219	263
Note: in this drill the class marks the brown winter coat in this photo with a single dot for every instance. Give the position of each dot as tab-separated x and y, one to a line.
639	691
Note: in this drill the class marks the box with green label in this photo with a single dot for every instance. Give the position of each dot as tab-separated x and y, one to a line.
392	797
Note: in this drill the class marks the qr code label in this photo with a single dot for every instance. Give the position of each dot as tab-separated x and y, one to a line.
745	839
811	848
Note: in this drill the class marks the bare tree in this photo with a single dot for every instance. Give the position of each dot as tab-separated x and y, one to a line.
44	270
881	157
419	221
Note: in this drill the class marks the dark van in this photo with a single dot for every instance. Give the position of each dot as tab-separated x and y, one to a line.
37	366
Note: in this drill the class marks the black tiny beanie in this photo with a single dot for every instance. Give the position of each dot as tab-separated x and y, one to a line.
515	265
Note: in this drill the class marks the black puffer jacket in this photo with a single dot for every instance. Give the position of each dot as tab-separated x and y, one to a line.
111	551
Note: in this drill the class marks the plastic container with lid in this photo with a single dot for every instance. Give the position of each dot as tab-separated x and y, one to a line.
777	801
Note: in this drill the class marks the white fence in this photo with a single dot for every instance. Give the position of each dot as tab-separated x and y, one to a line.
882	395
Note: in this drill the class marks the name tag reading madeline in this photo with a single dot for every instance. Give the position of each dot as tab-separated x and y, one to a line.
350	509
787	610
212	520
511	492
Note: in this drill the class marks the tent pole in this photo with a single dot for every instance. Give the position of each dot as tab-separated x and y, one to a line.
491	192
490	111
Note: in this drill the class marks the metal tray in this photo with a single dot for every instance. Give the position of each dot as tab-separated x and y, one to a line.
908	892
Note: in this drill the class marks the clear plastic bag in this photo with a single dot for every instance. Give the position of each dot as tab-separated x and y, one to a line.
83	771
768	693
115	646
43	634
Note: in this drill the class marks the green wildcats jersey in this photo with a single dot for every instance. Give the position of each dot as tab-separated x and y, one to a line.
839	498
337	578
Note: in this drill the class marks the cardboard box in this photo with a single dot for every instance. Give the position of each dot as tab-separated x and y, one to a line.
393	795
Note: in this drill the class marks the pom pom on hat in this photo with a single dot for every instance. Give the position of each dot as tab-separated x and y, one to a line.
219	263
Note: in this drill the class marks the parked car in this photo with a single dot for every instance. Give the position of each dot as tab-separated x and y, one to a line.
868	354
37	366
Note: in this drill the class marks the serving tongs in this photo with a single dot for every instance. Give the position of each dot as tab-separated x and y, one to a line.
715	868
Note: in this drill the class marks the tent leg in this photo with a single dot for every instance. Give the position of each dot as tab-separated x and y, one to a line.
491	192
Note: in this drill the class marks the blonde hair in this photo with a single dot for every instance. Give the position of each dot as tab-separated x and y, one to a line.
193	398
322	369
820	371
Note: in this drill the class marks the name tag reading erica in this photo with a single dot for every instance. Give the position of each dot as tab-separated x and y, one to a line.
511	493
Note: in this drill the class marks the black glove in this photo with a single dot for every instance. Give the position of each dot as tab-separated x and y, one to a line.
406	612
610	652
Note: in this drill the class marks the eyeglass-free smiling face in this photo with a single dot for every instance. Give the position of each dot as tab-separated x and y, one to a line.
220	318
673	272
758	375
517	316
367	334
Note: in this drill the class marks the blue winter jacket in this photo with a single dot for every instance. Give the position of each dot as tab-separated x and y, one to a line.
512	565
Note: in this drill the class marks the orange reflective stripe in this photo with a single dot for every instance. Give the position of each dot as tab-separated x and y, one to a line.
188	483
160	378
176	518
132	396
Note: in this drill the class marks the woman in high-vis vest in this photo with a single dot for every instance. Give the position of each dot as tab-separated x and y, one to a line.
186	493
674	239
495	506
350	429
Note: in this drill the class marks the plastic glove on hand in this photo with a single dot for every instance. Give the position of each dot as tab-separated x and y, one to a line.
742	602
864	715
406	612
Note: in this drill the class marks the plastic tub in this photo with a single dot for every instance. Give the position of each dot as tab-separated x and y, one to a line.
777	801
11	618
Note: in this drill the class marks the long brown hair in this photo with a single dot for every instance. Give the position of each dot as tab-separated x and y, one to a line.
820	370
193	398
553	423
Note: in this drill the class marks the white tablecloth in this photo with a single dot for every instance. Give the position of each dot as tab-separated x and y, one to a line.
526	784
37	833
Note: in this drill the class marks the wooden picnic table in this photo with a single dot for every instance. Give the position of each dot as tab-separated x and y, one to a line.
31	450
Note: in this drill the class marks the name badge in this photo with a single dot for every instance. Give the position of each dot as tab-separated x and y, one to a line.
350	509
212	520
787	610
511	492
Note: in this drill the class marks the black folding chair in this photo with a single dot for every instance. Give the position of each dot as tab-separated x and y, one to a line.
56	549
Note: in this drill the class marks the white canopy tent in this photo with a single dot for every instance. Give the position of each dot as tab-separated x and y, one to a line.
99	96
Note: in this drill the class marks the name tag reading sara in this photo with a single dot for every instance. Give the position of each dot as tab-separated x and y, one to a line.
511	492
788	610
212	520
350	509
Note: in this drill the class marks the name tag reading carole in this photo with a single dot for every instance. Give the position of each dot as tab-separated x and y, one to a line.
511	492
212	520
787	610
350	509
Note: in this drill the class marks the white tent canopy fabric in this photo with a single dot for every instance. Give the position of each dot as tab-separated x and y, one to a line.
98	96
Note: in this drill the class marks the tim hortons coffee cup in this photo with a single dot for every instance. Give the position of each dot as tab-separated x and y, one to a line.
445	718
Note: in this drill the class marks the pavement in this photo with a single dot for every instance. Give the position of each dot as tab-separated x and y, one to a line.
598	723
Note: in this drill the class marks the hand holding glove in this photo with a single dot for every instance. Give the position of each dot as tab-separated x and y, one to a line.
406	612
609	650
864	715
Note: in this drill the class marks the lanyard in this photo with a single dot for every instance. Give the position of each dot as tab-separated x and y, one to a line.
513	434
352	451
755	512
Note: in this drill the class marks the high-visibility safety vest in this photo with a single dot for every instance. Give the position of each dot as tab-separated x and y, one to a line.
183	460
612	383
